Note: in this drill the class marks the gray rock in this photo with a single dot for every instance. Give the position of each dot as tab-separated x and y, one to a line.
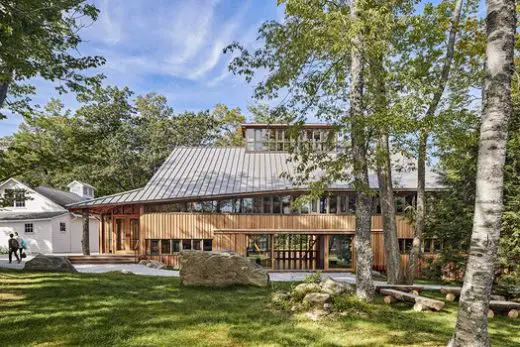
126	272
304	288
327	307
315	315
332	287
316	298
215	269
49	263
296	308
144	262
280	297
150	265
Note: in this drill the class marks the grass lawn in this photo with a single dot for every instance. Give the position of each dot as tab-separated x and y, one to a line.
128	310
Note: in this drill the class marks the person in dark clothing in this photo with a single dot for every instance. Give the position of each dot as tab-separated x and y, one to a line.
13	248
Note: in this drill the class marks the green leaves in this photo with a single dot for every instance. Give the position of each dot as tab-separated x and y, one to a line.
112	142
37	38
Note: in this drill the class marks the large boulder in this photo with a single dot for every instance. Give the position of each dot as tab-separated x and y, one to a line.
332	287
304	288
316	299
49	263
216	269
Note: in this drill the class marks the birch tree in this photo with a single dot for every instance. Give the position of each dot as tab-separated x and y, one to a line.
423	142
471	327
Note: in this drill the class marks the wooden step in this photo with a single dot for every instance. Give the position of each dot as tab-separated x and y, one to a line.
103	259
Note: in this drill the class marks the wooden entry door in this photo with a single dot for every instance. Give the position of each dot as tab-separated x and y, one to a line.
120	230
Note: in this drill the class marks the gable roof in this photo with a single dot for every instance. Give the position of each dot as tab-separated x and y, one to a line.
20	216
209	172
60	197
79	182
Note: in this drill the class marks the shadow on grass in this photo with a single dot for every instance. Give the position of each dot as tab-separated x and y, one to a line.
129	310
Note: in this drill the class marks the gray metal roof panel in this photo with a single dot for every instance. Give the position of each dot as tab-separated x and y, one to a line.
196	172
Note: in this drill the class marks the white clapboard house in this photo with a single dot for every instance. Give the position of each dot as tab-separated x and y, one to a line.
42	219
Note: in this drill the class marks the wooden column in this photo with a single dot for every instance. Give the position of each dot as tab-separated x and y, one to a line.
326	252
85	242
271	242
102	234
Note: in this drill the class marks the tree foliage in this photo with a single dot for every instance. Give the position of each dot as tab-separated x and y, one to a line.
112	142
37	39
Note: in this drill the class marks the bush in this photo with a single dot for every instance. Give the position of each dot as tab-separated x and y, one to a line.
4	250
314	277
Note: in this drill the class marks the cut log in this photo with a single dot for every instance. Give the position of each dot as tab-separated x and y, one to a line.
451	297
389	299
504	306
450	290
431	304
513	314
491	314
497	297
417	307
401	287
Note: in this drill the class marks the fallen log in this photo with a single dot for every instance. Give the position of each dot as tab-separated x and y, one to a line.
424	303
401	287
452	294
505	306
389	299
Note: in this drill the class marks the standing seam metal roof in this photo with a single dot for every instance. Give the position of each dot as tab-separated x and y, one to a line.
198	172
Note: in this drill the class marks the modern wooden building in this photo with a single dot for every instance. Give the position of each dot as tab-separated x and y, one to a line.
235	199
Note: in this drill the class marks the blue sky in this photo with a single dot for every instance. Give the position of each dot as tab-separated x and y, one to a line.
172	47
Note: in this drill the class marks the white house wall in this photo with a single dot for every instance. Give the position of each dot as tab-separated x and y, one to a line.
70	240
39	241
34	203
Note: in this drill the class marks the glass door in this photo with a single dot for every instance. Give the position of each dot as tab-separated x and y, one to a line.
120	235
134	234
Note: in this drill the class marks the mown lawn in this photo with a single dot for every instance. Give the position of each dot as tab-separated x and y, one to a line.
129	310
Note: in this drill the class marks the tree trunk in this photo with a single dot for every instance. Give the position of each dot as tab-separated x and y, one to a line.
384	177
85	241
471	327
364	285
386	197
3	93
423	143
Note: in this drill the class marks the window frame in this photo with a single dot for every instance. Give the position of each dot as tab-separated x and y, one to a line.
28	228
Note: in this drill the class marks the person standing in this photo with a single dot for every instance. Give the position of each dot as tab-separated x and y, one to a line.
21	243
13	248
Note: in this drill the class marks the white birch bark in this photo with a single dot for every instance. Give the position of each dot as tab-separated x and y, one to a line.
471	327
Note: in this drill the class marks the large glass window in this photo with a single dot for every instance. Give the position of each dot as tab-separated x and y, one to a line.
207	245
247	205
176	246
186	245
165	247
258	205
333	204
226	206
276	205
259	249
286	204
340	251
268	204
154	247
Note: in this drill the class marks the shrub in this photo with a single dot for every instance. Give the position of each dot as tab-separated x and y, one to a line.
4	250
314	277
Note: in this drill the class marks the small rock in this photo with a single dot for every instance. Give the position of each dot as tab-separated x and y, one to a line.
316	298
332	287
327	307
296	308
149	265
304	288
315	315
126	272
280	297
144	262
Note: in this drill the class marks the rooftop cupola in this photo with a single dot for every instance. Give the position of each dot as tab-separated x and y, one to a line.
82	189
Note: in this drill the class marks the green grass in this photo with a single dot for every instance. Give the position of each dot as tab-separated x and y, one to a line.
128	310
